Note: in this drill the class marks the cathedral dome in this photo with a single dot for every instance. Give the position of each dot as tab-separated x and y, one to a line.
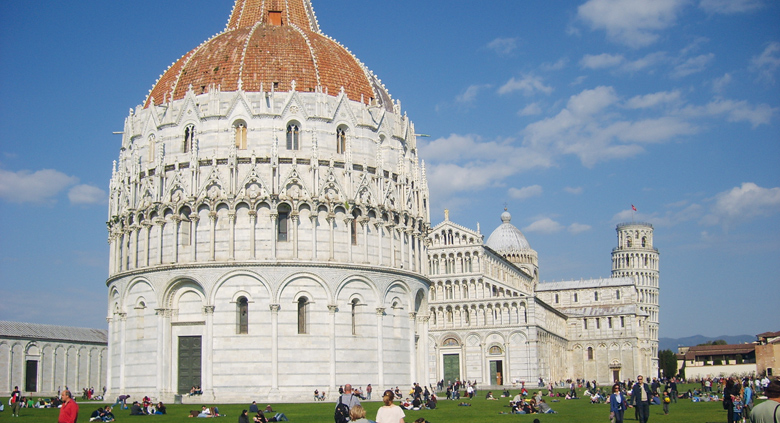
265	46
507	238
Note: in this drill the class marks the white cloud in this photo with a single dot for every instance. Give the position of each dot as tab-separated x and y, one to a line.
601	61
730	6
573	190
531	109
634	23
528	84
719	84
735	111
743	203
503	46
645	62
525	192
577	228
466	162
36	187
652	100
87	194
578	80
560	64
545	225
590	128
692	65
470	94
767	63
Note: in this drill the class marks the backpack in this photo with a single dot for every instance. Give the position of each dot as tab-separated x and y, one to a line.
341	415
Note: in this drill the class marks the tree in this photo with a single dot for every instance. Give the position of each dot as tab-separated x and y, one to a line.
715	342
667	362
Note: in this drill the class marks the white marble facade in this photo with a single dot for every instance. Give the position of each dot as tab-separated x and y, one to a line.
42	359
494	323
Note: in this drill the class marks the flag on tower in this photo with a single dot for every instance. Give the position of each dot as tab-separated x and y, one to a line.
633	208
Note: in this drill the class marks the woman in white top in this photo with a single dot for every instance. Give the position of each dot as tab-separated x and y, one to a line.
389	413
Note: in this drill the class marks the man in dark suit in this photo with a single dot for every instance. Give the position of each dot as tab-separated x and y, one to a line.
640	398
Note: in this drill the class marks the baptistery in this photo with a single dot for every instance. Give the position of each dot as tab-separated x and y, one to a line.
267	221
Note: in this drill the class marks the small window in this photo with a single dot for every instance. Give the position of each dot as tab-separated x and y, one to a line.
275	18
242	308
622	322
644	241
628	242
293	136
556	298
575	297
617	294
354	305
590	353
283	222
595	296
598	323
239	129
585	324
302	306
341	141
189	135
609	322
353	227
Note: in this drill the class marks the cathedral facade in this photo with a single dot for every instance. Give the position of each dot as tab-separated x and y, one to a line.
269	227
493	322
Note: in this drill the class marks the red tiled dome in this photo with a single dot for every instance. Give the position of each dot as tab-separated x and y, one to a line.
266	45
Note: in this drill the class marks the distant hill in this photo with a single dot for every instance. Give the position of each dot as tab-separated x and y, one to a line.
690	341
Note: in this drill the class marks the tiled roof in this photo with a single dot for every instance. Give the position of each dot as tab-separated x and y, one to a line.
52	332
708	350
254	54
584	284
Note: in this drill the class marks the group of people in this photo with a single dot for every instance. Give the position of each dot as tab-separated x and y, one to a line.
348	408
102	415
146	408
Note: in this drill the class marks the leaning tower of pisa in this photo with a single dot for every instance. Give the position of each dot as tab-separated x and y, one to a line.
636	257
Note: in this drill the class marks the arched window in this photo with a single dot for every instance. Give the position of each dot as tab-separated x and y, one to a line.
283	222
590	353
353	226
302	306
341	140
628	242
354	305
242	317
239	129
644	241
293	136
189	135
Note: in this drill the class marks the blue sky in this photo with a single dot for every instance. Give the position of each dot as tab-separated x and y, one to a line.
567	111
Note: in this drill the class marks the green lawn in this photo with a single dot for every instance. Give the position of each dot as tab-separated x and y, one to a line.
572	411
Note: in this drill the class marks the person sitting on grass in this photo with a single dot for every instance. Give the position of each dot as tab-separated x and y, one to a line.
489	396
136	410
545	408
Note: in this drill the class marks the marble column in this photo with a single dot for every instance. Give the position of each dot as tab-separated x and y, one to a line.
275	347
314	219
332	308
294	218
252	234
213	239
232	235
194	237
380	354
275	232
412	347
208	354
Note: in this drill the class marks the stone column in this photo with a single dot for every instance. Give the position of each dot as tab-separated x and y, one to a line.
160	244
109	363
391	231
379	234
194	237
410	236
332	308
208	359
364	223
402	241
160	312
232	235
148	225
252	234
122	341
314	219
412	346
348	222
423	348
176	230
483	364
213	240
331	220
274	232
380	354
275	347
507	373
294	217
134	244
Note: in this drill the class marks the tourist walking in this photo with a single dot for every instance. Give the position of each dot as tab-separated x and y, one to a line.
389	413
16	401
640	398
69	410
769	410
617	405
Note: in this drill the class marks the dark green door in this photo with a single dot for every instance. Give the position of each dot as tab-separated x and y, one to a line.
451	367
189	363
496	372
31	376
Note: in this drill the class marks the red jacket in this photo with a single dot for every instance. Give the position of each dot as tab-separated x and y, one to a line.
68	412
